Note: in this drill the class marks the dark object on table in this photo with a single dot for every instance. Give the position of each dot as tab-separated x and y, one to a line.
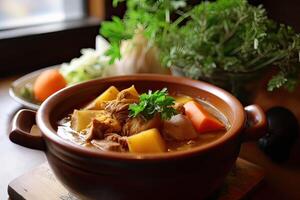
282	133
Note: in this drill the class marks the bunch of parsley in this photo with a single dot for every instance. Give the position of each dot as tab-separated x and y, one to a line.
153	103
226	41
230	39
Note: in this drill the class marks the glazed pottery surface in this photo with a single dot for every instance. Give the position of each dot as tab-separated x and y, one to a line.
189	174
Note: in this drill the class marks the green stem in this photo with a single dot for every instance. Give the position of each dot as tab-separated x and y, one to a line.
180	19
268	62
167	14
231	34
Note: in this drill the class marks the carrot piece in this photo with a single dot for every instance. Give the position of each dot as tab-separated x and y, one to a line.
47	83
201	119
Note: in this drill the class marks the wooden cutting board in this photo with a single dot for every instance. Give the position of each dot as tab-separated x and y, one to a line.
41	184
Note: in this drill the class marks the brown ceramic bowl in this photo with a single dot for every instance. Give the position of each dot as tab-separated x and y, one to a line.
92	174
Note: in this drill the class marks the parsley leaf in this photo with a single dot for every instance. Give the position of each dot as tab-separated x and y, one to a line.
154	103
151	15
114	29
113	52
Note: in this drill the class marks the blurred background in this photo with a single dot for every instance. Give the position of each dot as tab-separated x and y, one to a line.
36	34
20	13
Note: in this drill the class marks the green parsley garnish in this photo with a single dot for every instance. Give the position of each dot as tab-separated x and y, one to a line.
154	103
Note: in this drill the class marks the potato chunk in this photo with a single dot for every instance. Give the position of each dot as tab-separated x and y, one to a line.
110	94
82	118
182	99
149	141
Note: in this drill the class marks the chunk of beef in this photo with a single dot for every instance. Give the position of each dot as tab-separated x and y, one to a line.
106	145
94	131
119	108
126	94
179	108
138	124
101	125
122	140
112	142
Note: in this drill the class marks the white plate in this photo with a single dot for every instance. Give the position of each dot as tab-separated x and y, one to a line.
17	85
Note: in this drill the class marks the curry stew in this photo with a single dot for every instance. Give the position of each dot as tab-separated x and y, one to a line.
153	122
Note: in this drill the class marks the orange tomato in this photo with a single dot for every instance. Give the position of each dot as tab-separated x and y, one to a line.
201	119
47	83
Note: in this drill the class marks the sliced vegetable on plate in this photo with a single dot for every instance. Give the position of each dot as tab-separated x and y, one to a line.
47	83
90	65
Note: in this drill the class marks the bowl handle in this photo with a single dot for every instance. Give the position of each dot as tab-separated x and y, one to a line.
21	130
256	123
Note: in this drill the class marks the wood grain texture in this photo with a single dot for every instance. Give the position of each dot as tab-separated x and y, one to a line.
41	184
96	8
15	160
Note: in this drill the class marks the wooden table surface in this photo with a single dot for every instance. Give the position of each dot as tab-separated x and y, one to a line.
14	159
282	181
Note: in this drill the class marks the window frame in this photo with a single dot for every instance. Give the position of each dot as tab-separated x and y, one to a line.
33	47
78	10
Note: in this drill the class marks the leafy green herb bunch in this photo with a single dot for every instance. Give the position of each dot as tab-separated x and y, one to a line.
230	39
153	16
221	41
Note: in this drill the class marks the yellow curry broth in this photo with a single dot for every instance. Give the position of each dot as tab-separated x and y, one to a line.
79	137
